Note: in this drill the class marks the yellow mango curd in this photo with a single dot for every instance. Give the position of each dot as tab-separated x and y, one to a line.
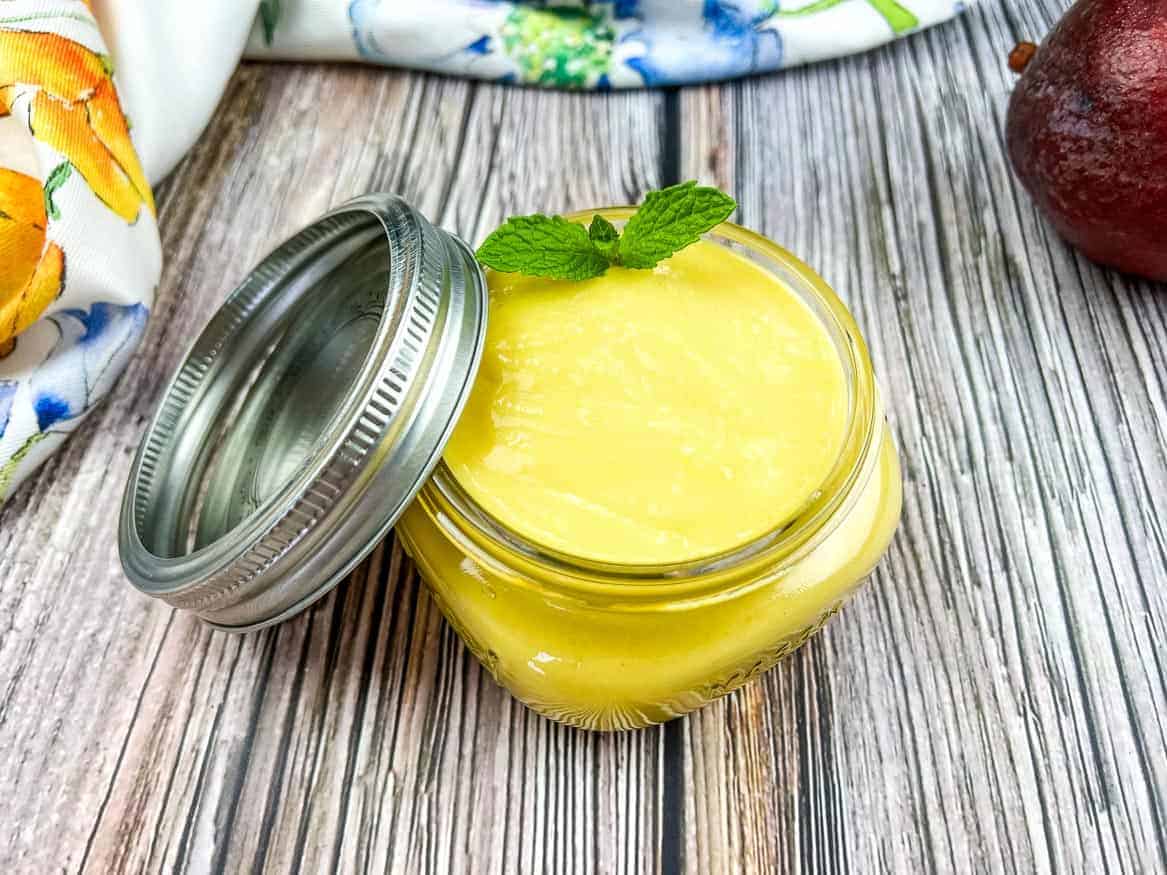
650	416
663	481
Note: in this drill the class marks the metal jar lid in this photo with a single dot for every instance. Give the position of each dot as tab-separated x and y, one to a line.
306	417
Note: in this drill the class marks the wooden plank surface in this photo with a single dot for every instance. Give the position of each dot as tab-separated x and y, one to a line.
993	701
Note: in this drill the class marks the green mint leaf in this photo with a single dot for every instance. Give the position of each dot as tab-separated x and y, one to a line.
547	246
601	229
56	179
671	219
550	246
605	238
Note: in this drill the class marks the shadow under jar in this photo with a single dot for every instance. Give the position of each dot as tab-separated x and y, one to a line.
311	416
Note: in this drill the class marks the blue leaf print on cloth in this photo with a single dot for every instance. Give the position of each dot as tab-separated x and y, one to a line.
50	410
360	16
70	360
447	36
7	396
626	8
728	40
91	350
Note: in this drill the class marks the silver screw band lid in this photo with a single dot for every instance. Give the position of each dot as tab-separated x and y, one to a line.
306	416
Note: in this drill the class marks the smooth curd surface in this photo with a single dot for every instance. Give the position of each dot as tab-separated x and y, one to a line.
651	416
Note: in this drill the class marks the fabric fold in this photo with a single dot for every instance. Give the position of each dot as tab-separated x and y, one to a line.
79	248
181	56
577	44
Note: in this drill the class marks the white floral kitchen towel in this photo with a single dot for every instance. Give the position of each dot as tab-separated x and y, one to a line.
588	43
79	250
79	247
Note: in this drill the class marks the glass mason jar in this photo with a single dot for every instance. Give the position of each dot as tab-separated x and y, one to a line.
309	418
607	646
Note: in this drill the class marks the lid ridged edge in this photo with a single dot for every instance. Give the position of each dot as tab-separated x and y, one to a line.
417	311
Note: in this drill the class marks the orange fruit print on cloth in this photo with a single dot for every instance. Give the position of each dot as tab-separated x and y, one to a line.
76	111
31	268
79	249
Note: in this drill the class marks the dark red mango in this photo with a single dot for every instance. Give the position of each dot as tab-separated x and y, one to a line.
1087	132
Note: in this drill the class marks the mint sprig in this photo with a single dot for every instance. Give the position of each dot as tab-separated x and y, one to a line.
550	246
671	219
543	246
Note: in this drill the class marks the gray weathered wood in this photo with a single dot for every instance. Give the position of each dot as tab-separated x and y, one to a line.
991	702
361	735
994	701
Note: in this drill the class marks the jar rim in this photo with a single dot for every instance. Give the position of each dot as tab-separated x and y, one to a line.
774	549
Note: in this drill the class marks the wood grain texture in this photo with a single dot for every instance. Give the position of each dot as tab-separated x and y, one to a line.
360	736
995	700
992	702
